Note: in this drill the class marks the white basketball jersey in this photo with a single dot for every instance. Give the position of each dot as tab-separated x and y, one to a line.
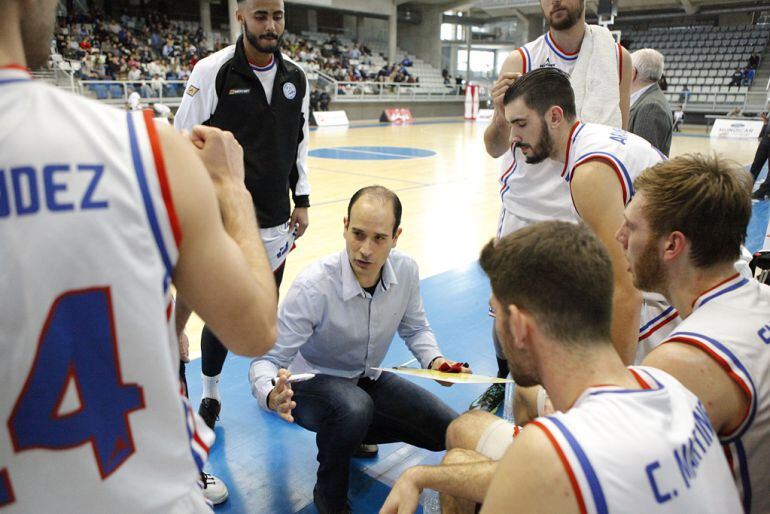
627	154
649	450
532	191
731	323
91	416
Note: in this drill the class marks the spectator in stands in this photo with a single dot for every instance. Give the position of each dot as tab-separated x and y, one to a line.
407	62
650	114
754	61
684	94
749	74
447	77
678	118
315	97
323	101
736	78
735	112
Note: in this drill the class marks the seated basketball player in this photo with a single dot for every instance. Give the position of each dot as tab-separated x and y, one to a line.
623	432
337	321
682	235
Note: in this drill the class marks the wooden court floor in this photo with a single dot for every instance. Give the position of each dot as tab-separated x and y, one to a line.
451	199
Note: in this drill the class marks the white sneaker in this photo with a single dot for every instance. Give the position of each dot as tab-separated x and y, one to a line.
214	489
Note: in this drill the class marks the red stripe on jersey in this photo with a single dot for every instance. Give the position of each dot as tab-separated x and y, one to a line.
569	144
523	61
567	467
550	36
620	62
639	379
16	67
707	291
160	168
726	366
613	166
663	323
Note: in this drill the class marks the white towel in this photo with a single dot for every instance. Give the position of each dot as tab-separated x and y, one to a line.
597	94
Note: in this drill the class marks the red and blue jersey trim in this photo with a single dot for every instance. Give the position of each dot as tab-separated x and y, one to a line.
526	60
504	187
269	66
160	168
730	284
616	164
562	54
15	77
597	493
198	447
658	322
149	207
734	369
573	134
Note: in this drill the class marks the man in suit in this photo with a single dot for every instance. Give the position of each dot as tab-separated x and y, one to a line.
650	115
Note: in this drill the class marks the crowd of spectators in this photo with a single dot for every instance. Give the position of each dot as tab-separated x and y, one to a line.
150	48
346	63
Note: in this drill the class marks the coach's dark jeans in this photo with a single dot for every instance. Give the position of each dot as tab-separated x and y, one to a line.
346	412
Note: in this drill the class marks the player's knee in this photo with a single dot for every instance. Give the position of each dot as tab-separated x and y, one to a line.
464	431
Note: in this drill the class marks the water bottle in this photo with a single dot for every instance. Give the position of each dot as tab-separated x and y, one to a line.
431	504
510	388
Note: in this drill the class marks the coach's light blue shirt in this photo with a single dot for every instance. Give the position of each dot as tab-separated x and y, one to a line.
328	324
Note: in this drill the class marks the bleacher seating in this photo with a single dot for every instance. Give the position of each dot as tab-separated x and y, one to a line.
703	58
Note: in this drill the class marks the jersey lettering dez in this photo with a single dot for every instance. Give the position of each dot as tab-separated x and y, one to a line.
25	190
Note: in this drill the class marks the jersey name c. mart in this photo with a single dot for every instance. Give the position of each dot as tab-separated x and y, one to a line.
649	450
731	323
92	419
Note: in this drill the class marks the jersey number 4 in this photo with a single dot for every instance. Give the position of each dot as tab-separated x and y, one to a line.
74	393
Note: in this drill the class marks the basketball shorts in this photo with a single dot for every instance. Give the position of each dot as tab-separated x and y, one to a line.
278	241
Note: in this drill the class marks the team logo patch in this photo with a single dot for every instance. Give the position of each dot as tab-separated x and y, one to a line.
192	90
289	91
239	91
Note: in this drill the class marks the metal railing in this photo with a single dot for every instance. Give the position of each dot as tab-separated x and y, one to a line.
368	90
169	92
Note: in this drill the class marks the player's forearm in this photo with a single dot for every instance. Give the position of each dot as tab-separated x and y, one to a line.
240	222
626	306
496	136
468	481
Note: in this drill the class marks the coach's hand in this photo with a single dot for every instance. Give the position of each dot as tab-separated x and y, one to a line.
299	221
279	399
502	84
449	366
221	154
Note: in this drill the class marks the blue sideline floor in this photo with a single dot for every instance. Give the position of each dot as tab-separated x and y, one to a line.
269	465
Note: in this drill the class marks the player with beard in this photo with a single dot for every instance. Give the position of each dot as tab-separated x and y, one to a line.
532	191
262	97
614	445
682	234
